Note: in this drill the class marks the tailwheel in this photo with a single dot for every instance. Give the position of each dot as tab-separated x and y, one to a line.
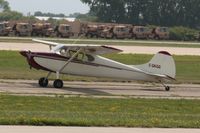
58	83
167	88
43	82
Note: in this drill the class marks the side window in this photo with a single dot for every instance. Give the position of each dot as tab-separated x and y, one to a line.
1	26
67	28
90	58
80	56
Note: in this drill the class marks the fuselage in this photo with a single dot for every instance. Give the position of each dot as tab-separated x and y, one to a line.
86	65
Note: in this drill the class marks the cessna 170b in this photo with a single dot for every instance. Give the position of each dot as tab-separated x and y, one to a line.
85	60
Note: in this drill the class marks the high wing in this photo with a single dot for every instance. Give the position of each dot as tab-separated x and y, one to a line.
46	42
91	49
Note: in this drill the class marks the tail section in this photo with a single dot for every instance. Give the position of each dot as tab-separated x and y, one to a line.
161	64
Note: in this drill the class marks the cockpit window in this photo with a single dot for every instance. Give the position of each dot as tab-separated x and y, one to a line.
81	56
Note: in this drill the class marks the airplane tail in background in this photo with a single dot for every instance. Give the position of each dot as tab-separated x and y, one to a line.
161	64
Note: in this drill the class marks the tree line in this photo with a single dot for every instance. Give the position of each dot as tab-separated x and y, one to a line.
41	14
152	12
7	14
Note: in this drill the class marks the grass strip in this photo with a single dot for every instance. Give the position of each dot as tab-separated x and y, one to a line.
60	111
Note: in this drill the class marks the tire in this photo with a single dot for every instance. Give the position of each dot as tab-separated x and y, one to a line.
17	34
167	88
114	37
157	38
43	82
58	83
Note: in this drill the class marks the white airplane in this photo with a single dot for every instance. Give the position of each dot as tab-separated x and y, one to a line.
85	60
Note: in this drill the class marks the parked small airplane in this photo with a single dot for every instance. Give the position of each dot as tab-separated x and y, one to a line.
85	60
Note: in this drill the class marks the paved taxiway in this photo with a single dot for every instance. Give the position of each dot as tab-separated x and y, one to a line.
126	49
31	129
101	89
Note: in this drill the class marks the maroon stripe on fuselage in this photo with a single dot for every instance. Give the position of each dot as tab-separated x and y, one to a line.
30	59
54	56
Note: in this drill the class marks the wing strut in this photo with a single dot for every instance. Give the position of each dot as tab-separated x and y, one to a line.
73	56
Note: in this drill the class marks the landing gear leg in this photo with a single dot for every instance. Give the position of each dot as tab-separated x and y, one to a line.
58	83
167	88
43	82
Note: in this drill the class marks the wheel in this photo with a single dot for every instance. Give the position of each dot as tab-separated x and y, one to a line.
114	37
43	82
167	88
157	37
59	35
58	83
17	34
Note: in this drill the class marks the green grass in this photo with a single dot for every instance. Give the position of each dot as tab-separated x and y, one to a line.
105	42
14	66
60	111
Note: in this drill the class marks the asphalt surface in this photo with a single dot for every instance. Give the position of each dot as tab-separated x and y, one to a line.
101	89
31	129
126	49
107	40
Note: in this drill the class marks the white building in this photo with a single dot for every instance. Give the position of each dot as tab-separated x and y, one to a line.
57	18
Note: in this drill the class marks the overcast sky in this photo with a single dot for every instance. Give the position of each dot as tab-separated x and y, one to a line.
54	6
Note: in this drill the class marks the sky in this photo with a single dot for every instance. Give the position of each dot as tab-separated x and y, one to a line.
53	6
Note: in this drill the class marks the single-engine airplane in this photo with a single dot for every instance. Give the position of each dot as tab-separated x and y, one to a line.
85	60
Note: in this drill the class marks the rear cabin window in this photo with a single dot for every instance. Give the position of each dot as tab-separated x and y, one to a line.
67	27
1	26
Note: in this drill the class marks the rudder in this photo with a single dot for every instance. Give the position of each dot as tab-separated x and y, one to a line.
162	63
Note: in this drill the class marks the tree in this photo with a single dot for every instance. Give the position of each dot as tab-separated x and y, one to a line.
10	15
87	17
74	15
4	5
38	13
6	14
152	12
107	10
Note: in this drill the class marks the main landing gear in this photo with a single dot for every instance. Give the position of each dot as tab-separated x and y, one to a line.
43	82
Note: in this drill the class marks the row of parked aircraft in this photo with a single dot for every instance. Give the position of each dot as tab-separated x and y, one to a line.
86	60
